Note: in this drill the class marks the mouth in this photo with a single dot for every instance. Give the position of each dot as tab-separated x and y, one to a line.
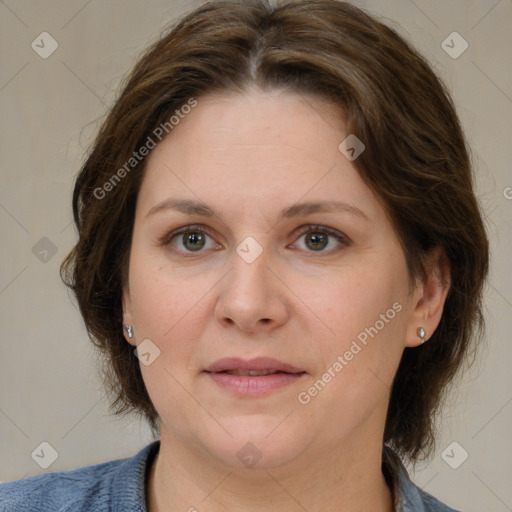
250	366
251	373
253	377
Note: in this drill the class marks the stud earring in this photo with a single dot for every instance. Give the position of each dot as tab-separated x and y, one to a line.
421	334
129	331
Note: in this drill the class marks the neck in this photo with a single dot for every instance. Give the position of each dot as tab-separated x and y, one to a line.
346	480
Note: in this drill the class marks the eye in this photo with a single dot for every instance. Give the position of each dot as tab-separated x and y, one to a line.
193	239
190	239
317	238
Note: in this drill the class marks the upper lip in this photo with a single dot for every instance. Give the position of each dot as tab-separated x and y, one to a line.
257	363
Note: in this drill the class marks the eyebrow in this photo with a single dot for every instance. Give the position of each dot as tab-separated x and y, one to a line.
297	210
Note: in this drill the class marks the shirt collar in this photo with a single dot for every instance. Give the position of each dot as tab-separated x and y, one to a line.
406	495
128	491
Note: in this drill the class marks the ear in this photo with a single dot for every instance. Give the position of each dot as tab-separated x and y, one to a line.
429	297
127	315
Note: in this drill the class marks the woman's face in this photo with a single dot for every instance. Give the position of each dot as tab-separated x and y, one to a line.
274	272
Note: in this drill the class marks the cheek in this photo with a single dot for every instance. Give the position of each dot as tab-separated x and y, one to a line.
167	309
354	298
355	365
363	309
164	300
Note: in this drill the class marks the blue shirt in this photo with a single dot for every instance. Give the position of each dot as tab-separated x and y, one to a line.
120	486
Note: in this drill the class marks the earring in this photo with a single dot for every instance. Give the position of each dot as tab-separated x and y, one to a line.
129	331
421	334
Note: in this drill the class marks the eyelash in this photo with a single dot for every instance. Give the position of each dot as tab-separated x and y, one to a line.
340	237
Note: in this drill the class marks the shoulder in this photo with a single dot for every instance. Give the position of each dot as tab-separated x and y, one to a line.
408	496
432	504
60	490
100	487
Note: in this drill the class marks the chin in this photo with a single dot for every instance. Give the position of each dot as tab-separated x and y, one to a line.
258	442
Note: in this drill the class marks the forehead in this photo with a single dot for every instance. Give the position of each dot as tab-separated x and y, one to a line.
255	149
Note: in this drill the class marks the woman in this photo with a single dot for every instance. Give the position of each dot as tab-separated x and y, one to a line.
282	257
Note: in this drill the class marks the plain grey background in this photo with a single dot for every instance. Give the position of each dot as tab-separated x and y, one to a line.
50	109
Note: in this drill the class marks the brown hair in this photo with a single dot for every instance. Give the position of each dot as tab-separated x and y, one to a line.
416	161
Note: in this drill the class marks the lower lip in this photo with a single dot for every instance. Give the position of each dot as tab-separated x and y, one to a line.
246	385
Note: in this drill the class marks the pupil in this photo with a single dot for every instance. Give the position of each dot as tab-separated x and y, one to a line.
194	238
318	240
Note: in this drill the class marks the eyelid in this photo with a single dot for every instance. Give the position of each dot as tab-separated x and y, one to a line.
166	239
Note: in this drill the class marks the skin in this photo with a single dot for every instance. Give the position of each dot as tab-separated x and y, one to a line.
248	156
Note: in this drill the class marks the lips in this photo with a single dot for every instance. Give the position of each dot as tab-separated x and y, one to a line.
251	373
252	367
253	377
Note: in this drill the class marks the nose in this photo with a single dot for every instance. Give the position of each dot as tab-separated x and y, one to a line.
252	297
